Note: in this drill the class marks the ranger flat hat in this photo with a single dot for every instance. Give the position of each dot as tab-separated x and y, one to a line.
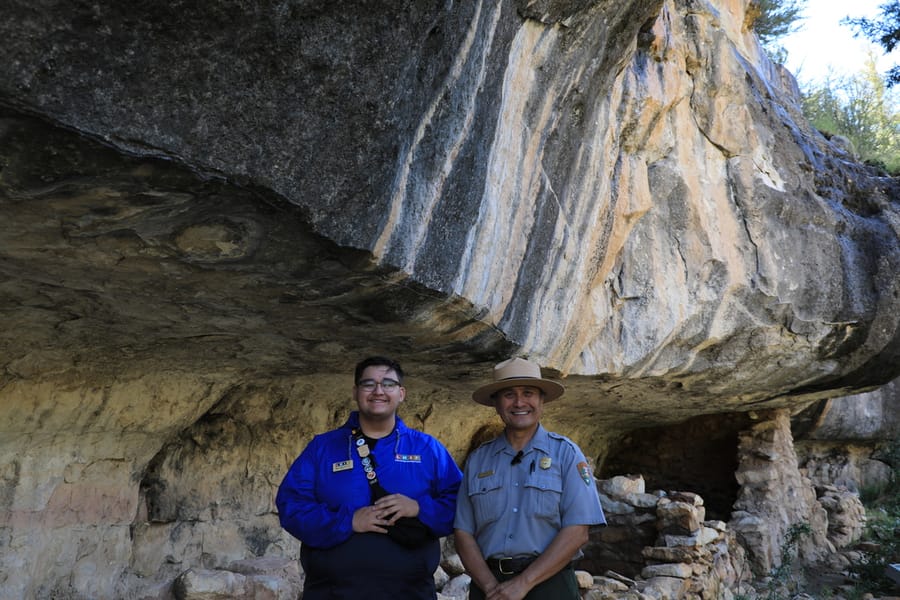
517	371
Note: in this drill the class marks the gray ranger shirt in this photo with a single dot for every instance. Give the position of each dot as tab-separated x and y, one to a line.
517	509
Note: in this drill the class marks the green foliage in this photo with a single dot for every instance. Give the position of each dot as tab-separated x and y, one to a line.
884	533
774	19
884	31
863	110
780	577
887	497
882	529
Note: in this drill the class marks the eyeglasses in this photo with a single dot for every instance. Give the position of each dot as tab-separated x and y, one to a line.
369	385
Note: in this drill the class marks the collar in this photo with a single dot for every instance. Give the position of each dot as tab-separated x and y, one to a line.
400	429
353	421
539	442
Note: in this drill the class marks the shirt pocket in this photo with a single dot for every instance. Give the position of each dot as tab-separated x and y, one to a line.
544	491
486	496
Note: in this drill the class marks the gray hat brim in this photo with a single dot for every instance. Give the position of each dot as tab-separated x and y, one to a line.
551	389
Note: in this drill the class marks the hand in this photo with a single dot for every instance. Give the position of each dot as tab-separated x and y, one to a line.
368	518
394	506
514	589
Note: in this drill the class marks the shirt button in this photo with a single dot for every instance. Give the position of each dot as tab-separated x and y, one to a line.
515	510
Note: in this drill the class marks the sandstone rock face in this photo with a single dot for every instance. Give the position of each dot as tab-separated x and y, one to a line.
626	190
212	211
847	441
868	417
776	497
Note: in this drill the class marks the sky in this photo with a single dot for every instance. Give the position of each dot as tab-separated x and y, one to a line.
822	43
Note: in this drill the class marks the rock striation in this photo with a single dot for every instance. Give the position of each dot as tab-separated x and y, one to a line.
569	174
212	210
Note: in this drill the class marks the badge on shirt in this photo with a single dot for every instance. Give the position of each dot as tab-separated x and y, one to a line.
411	458
484	474
344	465
585	471
546	462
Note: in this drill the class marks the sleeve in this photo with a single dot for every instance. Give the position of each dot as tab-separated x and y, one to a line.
580	503
465	517
299	510
436	510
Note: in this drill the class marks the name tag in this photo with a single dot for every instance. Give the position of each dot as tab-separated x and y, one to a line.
344	465
484	474
410	458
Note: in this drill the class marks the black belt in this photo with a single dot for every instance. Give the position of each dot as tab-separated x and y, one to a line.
510	565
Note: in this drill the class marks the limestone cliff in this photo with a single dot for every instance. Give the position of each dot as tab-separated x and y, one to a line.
212	210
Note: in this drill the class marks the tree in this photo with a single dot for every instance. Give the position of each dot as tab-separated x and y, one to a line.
862	109
884	31
776	18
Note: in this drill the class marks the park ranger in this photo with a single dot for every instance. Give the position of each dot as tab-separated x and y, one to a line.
527	497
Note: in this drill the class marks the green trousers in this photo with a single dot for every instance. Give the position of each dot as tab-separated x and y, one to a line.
562	586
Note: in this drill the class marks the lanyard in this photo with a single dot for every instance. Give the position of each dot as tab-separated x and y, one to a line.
366	456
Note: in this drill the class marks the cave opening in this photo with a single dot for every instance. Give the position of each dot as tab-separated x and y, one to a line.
699	455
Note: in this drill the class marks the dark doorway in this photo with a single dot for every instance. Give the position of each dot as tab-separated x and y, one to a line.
698	455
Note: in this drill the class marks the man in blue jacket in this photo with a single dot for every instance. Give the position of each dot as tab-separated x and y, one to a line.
370	499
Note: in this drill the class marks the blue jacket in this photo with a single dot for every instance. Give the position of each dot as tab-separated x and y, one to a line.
319	493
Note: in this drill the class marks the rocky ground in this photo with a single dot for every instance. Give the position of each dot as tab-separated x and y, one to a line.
839	577
690	559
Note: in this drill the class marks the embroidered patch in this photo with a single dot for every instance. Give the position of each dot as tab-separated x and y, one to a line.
344	465
585	471
412	458
484	474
